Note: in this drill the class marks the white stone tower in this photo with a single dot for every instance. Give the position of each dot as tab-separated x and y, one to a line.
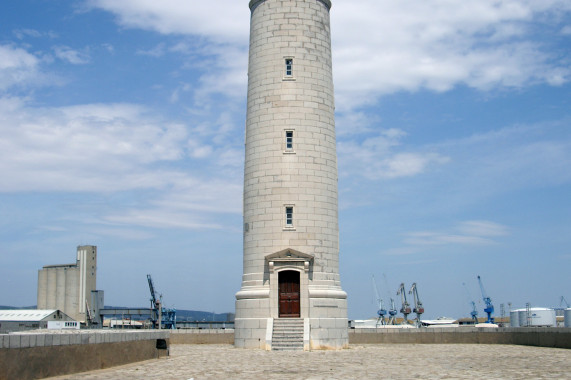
291	233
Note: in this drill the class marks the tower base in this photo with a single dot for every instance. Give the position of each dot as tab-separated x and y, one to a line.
326	329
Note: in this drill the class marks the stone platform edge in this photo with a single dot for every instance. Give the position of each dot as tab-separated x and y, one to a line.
38	355
557	337
202	336
39	339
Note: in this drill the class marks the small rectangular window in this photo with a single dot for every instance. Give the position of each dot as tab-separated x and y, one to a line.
289	216
289	67
289	140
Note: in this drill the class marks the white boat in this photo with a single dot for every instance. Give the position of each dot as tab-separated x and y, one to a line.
487	325
439	322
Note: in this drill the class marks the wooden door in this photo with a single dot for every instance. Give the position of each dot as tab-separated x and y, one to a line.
288	294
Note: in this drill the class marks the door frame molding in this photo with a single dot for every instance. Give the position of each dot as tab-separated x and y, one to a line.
290	259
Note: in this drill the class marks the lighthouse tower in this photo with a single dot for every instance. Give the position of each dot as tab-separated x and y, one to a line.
291	233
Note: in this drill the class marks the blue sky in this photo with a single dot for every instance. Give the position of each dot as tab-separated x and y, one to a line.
121	126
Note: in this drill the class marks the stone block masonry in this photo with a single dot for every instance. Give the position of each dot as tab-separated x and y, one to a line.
541	337
290	178
35	355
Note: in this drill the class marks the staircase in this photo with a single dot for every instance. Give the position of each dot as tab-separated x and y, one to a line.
287	334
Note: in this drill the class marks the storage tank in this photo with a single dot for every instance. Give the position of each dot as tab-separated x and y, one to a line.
514	318
567	315
538	317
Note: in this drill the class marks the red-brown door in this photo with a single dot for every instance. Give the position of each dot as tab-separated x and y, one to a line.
289	294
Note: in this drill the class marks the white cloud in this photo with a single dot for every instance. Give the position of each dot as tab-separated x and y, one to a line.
375	157
225	21
75	57
482	228
22	33
467	233
121	148
17	67
26	32
16	58
98	147
438	45
382	46
439	238
160	218
157	51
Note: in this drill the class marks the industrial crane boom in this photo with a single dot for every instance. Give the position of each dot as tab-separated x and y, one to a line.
381	312
152	289
488	301
392	310
405	308
158	311
474	312
418	308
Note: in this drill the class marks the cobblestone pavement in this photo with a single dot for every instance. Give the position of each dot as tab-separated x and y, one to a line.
397	361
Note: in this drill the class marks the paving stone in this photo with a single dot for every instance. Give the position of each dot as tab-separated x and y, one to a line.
396	361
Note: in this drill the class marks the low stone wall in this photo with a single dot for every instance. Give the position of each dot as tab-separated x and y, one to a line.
202	336
543	337
37	355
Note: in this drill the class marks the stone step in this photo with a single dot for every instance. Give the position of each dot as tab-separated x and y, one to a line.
287	349
287	334
288	339
288	344
288	320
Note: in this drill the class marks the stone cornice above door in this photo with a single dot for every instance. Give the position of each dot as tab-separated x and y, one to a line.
289	258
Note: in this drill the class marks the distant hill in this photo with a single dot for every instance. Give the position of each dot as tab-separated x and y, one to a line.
18	308
190	315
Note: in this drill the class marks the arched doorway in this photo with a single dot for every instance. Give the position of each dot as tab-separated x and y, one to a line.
289	294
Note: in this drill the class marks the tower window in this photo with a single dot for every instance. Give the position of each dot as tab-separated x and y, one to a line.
289	67
289	140
289	216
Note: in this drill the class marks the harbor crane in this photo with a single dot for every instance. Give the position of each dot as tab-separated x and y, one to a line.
563	301
392	313
161	317
488	301
405	308
418	308
382	312
392	310
474	312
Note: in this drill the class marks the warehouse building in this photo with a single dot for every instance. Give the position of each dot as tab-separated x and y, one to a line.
21	320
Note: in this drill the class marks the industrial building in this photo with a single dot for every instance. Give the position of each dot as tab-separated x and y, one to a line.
68	287
20	320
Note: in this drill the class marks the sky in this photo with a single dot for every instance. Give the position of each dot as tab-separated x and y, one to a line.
122	126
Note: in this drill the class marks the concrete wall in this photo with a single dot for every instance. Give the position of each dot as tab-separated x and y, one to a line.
199	336
543	337
38	355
